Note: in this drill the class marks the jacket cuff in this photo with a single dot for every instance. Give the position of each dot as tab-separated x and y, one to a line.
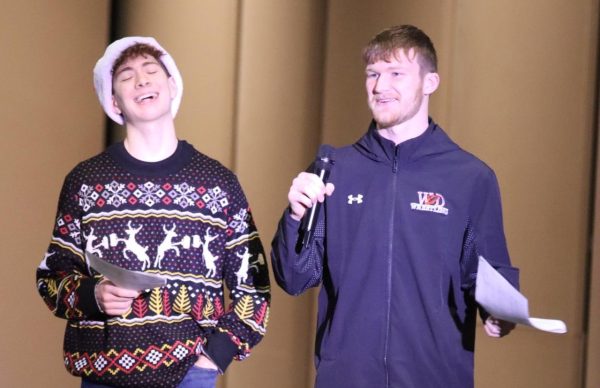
87	299
289	221
220	349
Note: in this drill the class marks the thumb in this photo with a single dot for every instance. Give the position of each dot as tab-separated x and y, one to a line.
329	188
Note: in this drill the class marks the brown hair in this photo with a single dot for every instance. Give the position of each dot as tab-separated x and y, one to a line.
139	50
405	37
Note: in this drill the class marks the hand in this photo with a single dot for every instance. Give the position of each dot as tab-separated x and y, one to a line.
495	327
205	363
114	300
306	190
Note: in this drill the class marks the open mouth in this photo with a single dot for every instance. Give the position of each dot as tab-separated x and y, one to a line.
146	97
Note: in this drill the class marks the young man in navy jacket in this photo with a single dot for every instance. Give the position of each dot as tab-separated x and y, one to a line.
396	245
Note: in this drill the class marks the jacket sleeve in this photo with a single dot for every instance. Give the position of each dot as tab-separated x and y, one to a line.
245	271
296	268
484	235
63	278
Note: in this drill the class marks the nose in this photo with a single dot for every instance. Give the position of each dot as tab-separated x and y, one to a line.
381	84
141	80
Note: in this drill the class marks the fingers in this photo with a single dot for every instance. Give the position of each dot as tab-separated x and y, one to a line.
497	328
491	328
305	191
329	188
114	300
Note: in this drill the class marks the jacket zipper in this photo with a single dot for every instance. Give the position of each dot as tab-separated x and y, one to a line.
389	265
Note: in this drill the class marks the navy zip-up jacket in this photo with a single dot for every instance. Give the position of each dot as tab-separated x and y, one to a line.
395	253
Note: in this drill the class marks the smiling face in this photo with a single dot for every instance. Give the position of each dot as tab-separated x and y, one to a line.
142	90
397	89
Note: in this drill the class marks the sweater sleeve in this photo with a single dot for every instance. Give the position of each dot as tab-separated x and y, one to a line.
484	235
63	278
246	275
297	268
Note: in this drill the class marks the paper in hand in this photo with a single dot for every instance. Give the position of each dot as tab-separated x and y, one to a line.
132	280
499	298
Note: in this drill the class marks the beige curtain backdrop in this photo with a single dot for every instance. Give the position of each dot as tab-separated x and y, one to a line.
266	81
49	120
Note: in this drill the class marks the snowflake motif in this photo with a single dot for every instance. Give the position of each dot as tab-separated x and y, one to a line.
126	361
215	199
100	363
81	363
87	197
71	300
184	195
180	352
149	193
239	222
154	356
115	194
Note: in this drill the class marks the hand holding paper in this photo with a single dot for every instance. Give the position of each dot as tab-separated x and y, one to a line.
112	299
132	280
499	298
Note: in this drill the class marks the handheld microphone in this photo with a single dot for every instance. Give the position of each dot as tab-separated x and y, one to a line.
322	168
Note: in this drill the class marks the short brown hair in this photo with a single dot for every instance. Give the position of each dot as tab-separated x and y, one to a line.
405	37
139	50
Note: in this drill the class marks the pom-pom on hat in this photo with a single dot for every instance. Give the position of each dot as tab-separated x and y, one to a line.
103	73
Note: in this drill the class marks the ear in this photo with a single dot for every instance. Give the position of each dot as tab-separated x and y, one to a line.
115	104
431	81
172	87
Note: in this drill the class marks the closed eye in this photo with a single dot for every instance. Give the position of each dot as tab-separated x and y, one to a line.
151	68
126	76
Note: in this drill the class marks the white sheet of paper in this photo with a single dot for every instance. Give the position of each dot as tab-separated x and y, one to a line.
499	298
133	280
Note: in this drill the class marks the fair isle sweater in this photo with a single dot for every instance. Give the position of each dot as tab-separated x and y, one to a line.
186	218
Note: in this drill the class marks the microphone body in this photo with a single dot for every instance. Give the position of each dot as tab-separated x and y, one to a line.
322	168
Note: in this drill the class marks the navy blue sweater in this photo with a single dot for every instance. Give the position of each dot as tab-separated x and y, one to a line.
185	218
395	254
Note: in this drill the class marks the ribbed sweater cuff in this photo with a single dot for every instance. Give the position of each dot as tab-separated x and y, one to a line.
87	299
220	349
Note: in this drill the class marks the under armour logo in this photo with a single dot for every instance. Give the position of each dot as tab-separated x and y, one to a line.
357	199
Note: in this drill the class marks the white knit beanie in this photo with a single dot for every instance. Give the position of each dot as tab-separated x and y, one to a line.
103	73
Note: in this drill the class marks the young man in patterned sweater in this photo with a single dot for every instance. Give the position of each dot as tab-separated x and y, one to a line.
153	203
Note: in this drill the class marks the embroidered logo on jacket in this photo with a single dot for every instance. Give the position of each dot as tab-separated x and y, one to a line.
430	202
355	199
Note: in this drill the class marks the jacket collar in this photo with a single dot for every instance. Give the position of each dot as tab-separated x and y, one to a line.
433	141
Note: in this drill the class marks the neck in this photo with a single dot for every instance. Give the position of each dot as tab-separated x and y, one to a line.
408	129
400	133
151	142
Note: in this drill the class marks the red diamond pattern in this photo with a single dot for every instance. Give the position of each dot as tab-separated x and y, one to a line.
125	362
